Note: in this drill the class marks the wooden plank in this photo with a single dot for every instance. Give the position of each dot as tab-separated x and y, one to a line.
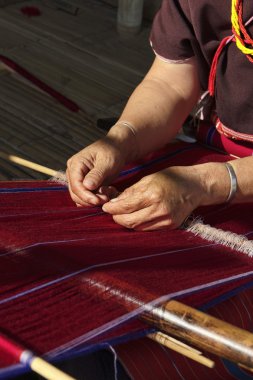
35	135
98	73
63	5
4	3
52	22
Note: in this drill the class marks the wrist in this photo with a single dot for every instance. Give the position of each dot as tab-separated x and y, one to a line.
233	182
217	183
124	136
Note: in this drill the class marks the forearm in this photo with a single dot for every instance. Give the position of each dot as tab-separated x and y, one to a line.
216	181
159	105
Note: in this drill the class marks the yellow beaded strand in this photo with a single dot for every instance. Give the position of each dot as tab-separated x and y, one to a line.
236	27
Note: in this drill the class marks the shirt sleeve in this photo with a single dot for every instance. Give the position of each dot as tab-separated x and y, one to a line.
172	35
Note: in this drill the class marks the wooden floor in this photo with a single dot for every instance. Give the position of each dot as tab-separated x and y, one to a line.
82	57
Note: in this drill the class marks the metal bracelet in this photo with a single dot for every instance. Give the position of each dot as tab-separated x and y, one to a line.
233	182
126	124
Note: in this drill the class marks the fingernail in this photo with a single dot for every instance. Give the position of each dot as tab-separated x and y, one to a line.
93	201
89	183
114	200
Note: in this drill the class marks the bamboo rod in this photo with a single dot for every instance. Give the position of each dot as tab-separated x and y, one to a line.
203	331
28	164
245	367
181	348
180	321
159	334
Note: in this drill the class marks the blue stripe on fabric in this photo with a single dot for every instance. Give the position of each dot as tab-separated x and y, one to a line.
20	369
210	135
236	371
32	190
233	369
225	296
13	370
122	174
157	160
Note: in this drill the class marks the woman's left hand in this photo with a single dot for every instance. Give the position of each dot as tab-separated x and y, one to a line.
160	200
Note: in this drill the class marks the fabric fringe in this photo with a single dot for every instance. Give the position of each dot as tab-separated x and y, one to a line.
216	235
60	177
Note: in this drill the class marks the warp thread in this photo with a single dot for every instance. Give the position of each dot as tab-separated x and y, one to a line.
196	226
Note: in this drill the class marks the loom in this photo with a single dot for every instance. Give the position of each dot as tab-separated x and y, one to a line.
58	261
65	264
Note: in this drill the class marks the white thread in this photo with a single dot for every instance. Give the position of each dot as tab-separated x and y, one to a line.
115	359
26	357
227	238
60	177
116	322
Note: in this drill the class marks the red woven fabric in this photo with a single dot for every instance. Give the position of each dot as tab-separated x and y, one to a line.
73	270
208	134
30	11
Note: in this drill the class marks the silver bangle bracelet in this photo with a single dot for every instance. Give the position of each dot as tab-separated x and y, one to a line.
126	124
233	182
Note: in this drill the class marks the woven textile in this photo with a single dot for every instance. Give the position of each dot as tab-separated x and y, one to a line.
71	278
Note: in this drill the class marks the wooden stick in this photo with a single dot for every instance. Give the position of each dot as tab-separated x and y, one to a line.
26	357
28	164
245	367
203	331
181	348
176	341
48	371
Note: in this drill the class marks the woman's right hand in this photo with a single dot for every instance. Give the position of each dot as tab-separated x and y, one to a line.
92	170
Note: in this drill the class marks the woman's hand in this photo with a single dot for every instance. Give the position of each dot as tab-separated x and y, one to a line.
160	200
165	199
93	168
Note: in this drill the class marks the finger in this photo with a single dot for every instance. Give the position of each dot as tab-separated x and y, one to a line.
98	175
127	202
163	221
77	200
105	193
109	191
80	202
157	224
77	189
136	219
74	197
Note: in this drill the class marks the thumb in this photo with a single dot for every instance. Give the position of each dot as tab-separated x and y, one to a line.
94	178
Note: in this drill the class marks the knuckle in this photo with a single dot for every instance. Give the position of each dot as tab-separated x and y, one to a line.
69	162
124	221
155	195
97	172
127	206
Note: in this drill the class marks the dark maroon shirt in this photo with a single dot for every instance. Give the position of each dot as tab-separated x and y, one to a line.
186	28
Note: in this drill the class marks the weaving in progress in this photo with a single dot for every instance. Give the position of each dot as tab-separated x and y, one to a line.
58	272
74	282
